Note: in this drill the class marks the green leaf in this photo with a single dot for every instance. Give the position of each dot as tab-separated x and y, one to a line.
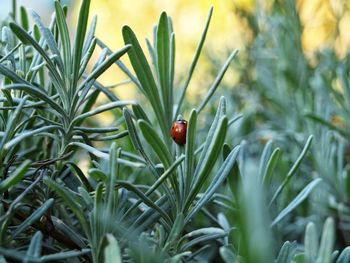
157	183
144	74
27	39
164	66
15	177
105	156
50	40
90	35
86	196
203	231
218	179
84	181
34	248
19	257
286	253
37	93
97	174
344	257
96	224
87	57
70	202
64	255
112	196
215	143
145	199
227	255
69	232
311	243
297	200
270	166
327	242
24	18
79	39
265	158
12	122
20	137
156	143
97	129
65	38
101	109
112	252
202	239
152	53
106	64
135	140
172	69
217	81
177	258
109	94
189	150
175	232
140	113
35	216
293	170
234	176
194	61
347	181
298	258
122	67
221	111
12	75
110	137
149	217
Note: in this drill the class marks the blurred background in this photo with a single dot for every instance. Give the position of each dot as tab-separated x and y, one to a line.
324	25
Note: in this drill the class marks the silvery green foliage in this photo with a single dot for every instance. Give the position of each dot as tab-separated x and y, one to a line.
143	198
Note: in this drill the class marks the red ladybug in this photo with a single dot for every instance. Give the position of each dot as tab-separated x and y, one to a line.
178	131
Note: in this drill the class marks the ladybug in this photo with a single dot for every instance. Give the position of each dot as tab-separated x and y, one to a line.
178	131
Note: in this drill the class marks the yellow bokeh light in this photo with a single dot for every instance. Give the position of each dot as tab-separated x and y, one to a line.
227	31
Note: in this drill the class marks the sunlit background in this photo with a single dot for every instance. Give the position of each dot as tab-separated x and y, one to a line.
322	21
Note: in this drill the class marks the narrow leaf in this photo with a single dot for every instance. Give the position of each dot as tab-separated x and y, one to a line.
344	257
327	242
15	177
37	93
106	64
218	179
27	134
35	216
64	35
34	249
156	143
194	60
112	251
144	74
311	243
70	202
296	201
101	109
79	39
163	65
217	81
189	150
46	33
293	170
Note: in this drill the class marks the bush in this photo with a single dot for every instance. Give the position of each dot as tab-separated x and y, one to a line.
144	198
